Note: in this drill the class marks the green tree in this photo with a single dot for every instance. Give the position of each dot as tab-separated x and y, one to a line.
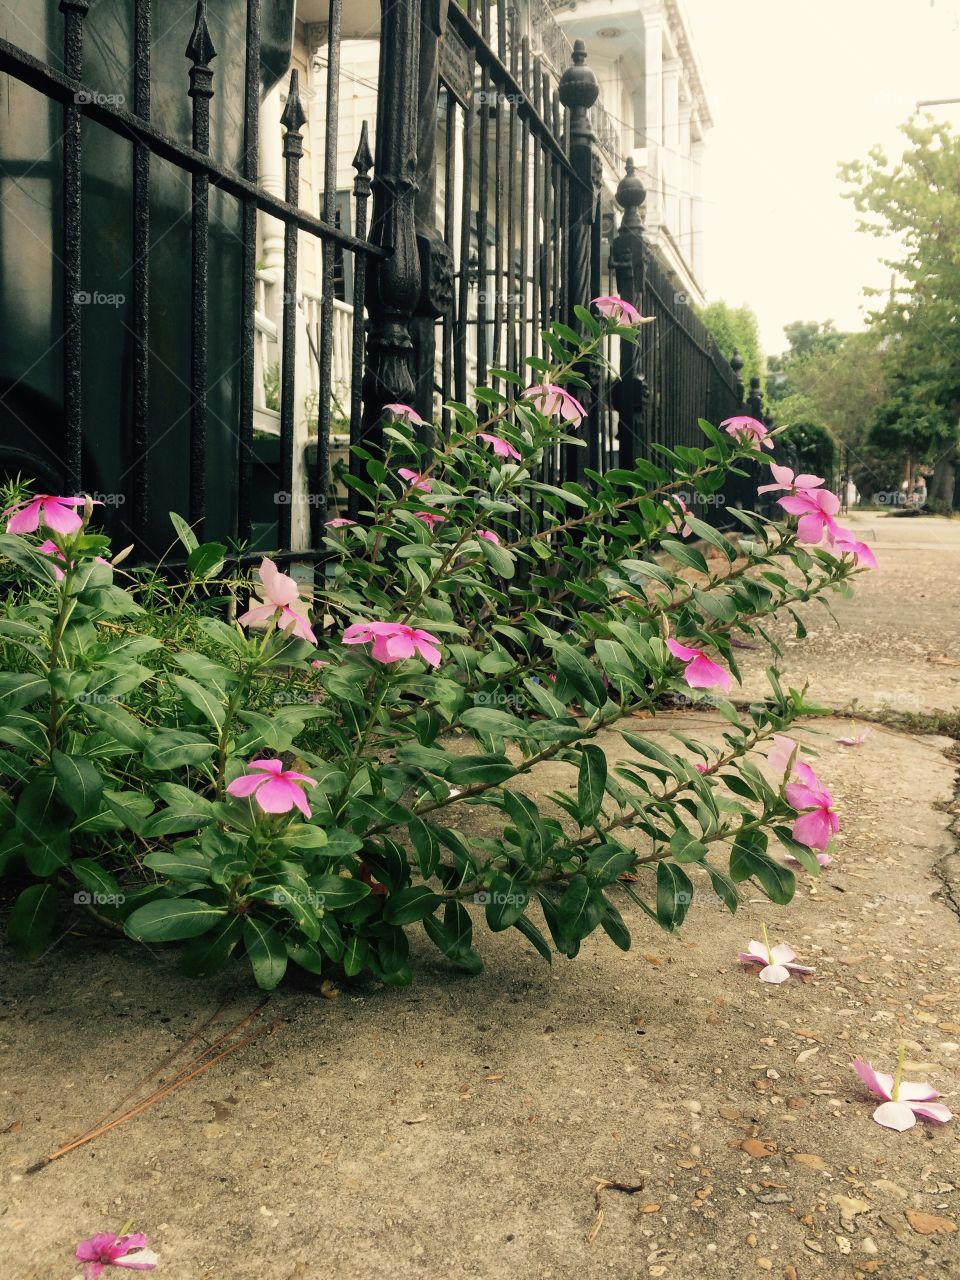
736	328
915	204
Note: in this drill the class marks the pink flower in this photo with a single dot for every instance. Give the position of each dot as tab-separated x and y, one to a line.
678	524
817	821
109	1250
905	1099
502	448
338	522
816	509
394	641
553	401
700	767
429	519
489	535
784	750
405	411
278	594
275	790
842	542
317	664
787	479
748	431
855	739
50	548
701	672
619	310
414	479
54	512
778	962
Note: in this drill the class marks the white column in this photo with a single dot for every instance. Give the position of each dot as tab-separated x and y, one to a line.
272	181
671	142
696	210
685	182
654	22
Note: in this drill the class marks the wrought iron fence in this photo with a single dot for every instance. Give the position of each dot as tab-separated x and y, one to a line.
473	225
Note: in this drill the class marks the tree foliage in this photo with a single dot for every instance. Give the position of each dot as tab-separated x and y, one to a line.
736	328
914	204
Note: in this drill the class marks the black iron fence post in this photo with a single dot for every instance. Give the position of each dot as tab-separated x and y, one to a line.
628	394
363	163
395	280
755	399
201	53
74	12
579	90
293	119
436	260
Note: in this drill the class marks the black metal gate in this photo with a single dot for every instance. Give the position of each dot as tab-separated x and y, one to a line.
484	227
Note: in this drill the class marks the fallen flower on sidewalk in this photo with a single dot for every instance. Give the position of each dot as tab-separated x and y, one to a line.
855	739
778	962
108	1250
906	1099
823	858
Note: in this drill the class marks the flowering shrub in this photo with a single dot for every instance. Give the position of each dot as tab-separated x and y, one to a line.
290	786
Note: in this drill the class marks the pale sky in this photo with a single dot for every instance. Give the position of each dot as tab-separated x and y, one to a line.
795	87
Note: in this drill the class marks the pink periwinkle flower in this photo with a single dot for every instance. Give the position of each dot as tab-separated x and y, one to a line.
405	411
816	509
619	310
700	767
502	448
784	750
108	1250
275	789
700	672
429	518
54	512
842	542
50	548
787	479
777	963
814	803
278	594
338	522
414	479
748	430
555	402
905	1099
394	641
854	739
489	535
678	523
823	858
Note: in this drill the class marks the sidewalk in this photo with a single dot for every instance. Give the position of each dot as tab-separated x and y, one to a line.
458	1127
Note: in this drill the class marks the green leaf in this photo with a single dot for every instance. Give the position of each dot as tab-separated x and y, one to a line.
172	748
579	908
686	848
535	937
580	674
127	729
206	561
613	925
337	892
208	955
505	901
98	881
80	782
187	866
674	895
410	905
427	847
169	919
591	782
184	532
187	811
201	700
355	956
20	688
609	862
30	924
266	952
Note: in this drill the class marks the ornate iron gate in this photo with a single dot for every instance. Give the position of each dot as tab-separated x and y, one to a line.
484	227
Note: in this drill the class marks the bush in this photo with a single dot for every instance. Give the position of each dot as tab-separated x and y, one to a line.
286	790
